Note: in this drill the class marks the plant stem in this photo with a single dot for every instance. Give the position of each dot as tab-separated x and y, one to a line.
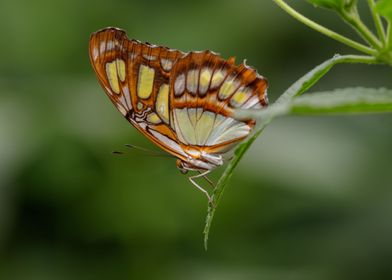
224	179
353	19
377	22
357	59
327	32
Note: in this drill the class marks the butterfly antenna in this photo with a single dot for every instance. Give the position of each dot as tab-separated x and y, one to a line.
149	152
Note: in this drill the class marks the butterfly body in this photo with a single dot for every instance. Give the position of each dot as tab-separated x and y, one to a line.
183	102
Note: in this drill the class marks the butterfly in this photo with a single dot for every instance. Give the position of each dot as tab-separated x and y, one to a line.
182	102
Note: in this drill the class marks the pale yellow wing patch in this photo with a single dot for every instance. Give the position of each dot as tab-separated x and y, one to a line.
217	78
162	103
145	81
207	130
240	97
153	118
184	127
204	126
228	88
192	114
111	73
120	64
204	82
227	129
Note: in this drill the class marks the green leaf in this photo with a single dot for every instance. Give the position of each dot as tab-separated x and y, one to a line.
224	179
339	101
280	107
342	101
328	4
337	5
313	76
384	7
348	100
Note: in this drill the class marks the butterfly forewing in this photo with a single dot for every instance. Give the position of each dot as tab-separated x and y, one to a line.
183	102
134	79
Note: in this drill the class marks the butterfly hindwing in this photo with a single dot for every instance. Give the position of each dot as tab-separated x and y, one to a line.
205	92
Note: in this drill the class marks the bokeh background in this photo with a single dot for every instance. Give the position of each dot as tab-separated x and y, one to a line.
312	199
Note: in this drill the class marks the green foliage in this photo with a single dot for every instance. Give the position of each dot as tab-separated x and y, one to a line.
343	101
328	4
310	200
313	76
348	100
381	45
337	5
384	7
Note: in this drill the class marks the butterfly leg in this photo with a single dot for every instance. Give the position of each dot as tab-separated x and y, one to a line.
212	184
203	174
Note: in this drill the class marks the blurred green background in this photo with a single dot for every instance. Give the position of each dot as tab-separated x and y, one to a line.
312	199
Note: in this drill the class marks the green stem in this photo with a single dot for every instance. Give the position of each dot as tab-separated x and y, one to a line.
223	180
353	19
327	32
377	21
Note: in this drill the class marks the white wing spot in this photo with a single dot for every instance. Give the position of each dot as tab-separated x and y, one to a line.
102	47
127	96
192	81
95	53
166	64
149	57
110	45
121	109
179	85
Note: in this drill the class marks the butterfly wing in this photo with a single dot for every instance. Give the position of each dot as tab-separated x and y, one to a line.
205	92
183	102
136	78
